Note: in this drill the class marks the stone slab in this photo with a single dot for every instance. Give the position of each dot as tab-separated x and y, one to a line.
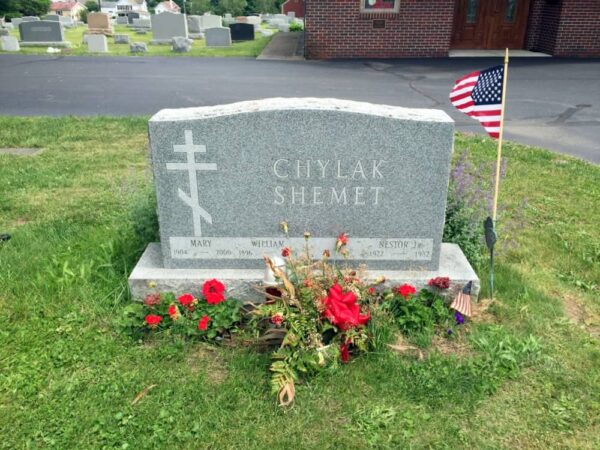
41	31
218	37
150	275
9	44
378	172
242	31
63	44
166	26
97	43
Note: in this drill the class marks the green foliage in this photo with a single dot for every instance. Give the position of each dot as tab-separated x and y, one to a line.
92	6
83	15
464	228
295	26
180	319
234	7
199	7
34	7
263	6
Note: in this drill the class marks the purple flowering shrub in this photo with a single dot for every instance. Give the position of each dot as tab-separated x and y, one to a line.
470	201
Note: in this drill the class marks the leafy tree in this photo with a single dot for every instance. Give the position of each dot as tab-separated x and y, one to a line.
200	6
265	6
34	7
92	5
9	6
234	7
83	15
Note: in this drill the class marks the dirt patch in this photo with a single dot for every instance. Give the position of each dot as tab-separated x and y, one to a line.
580	315
457	347
480	311
20	151
207	359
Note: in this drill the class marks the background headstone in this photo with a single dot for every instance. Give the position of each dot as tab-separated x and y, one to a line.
41	32
131	16
9	44
242	31
52	17
181	44
379	173
4	32
166	26
16	21
99	23
211	21
30	19
138	47
218	37
121	39
97	43
122	20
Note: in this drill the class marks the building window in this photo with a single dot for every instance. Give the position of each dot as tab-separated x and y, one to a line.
510	10
472	11
379	6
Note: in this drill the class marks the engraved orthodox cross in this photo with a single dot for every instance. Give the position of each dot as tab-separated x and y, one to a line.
192	166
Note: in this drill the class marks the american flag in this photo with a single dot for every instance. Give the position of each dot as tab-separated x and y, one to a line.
462	302
479	95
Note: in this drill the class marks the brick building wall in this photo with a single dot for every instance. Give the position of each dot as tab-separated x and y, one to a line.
423	28
337	29
295	6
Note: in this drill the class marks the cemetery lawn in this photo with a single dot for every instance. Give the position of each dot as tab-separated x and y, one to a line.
75	36
68	378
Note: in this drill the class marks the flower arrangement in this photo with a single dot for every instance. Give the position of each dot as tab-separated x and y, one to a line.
211	317
318	316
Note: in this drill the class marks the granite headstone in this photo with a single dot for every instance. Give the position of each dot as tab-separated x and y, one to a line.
9	44
52	17
97	43
131	16
166	26
30	19
379	173
218	37
41	32
211	21
99	23
242	31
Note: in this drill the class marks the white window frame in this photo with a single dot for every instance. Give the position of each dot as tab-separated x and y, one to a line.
393	10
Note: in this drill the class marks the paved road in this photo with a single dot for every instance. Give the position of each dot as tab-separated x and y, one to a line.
552	103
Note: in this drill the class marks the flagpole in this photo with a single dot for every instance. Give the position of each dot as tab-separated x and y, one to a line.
500	134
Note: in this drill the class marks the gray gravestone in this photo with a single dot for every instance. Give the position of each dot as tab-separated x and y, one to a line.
10	44
121	39
166	26
138	47
211	21
379	173
16	21
218	37
132	16
51	17
181	44
97	43
194	24
41	33
4	32
122	20
30	19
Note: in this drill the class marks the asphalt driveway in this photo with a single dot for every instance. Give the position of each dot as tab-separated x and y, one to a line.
553	103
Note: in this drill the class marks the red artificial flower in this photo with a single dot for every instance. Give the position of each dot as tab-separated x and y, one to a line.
344	353
440	282
173	312
341	241
285	252
406	290
341	309
203	323
153	320
152	300
277	319
186	300
372	290
213	291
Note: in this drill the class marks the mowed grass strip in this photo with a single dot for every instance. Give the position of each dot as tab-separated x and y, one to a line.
68	378
79	48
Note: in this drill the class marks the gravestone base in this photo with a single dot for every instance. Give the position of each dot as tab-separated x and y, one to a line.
161	41
196	35
62	44
150	276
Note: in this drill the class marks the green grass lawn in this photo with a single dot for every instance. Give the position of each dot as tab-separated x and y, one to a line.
68	378
75	36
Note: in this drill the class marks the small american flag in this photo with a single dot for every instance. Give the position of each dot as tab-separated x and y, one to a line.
462	302
479	95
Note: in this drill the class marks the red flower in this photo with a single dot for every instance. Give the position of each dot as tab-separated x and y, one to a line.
213	291
186	300
152	300
285	252
277	319
173	312
153	320
406	290
440	282
341	241
341	309
203	323
372	290
344	353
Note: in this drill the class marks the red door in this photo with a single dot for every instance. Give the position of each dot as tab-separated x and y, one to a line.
490	24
